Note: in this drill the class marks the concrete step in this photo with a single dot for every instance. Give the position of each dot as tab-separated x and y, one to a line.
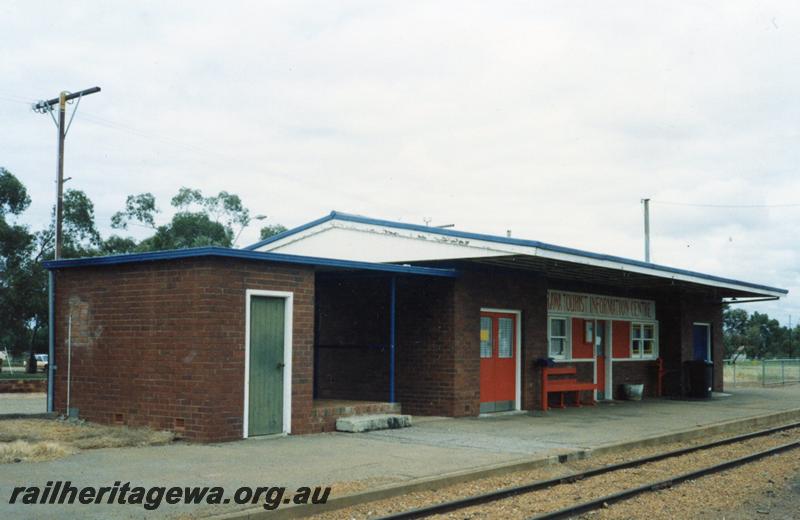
368	423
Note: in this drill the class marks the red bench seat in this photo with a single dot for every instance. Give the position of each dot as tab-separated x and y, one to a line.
564	385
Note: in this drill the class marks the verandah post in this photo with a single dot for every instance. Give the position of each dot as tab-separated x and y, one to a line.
392	308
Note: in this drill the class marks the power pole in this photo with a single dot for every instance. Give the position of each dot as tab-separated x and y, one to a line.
646	203
47	107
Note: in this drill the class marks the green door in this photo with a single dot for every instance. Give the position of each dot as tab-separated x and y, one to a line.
265	414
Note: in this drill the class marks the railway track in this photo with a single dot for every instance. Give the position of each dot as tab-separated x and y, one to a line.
596	503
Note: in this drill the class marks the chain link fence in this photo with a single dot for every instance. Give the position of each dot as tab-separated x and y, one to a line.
761	372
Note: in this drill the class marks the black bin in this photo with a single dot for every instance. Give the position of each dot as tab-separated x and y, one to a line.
699	374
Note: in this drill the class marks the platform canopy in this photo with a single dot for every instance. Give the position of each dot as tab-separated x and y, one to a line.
352	237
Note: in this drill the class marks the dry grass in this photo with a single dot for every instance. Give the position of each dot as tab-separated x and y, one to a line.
35	440
24	451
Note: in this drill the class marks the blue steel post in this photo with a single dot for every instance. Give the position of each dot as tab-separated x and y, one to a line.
393	291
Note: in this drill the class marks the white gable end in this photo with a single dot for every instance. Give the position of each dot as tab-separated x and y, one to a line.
372	243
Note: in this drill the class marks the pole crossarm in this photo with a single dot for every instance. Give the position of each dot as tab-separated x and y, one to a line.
44	105
48	107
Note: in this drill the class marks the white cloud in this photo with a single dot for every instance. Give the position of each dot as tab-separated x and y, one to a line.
552	120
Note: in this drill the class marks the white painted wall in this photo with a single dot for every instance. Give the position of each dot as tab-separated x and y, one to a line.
349	242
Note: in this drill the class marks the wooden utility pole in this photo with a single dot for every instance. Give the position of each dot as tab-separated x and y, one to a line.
62	112
63	127
47	106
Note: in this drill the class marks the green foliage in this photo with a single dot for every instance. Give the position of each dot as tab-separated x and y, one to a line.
188	229
13	195
81	237
141	208
20	273
271	230
758	336
199	221
225	208
117	245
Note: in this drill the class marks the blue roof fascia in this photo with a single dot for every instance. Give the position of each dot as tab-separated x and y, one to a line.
290	232
545	246
224	252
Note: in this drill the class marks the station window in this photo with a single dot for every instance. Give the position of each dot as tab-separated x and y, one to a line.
644	344
505	338
558	337
486	337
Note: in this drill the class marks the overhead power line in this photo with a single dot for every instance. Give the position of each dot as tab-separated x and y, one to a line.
202	152
731	206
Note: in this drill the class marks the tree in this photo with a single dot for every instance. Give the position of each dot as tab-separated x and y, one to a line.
734	326
199	221
16	244
271	230
23	285
759	335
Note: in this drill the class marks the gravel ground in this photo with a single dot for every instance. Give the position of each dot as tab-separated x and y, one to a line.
695	494
780	502
769	489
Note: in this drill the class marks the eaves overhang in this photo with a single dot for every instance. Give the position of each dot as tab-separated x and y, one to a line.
501	246
224	252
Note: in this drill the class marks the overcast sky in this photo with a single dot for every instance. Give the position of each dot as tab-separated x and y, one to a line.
552	119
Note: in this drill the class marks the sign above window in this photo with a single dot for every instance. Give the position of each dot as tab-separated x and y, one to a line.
562	302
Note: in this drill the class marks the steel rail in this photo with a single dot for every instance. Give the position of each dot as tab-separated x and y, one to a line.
663	484
501	494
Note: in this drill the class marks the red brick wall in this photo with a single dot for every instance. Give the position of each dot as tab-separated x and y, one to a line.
705	310
427	373
161	344
669	315
634	373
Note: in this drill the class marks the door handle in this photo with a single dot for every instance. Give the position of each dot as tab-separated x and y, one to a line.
280	366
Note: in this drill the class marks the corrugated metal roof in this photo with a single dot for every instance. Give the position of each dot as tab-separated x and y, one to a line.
225	252
648	268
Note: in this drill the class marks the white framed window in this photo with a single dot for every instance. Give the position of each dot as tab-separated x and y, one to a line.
505	338
644	341
558	337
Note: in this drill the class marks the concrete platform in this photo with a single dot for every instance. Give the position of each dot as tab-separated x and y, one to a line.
390	460
591	427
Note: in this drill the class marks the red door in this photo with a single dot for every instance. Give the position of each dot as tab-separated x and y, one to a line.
498	361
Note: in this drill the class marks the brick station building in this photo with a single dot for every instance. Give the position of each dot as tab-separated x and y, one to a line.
348	315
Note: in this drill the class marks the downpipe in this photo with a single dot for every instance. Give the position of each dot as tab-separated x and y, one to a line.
51	340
